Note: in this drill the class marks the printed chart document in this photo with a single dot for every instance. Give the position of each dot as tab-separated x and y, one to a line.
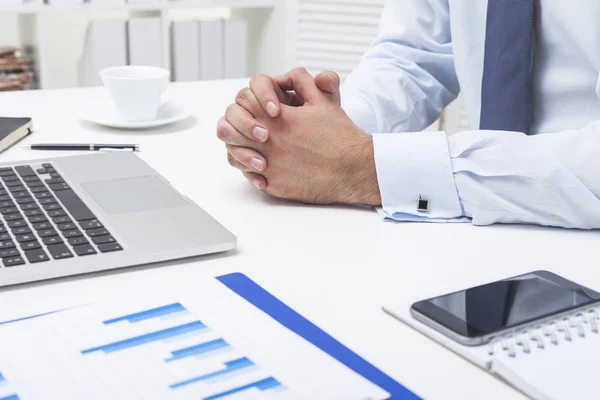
207	344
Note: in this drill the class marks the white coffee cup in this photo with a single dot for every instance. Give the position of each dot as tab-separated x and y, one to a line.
136	91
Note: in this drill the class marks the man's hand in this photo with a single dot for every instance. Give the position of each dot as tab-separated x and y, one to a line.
312	151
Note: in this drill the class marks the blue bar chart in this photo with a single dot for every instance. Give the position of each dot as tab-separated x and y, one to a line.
224	371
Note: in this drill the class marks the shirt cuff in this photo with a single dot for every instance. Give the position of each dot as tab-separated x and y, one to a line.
413	167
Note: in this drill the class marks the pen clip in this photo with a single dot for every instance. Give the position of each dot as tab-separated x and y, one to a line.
117	150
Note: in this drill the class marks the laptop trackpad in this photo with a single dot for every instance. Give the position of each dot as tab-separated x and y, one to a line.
123	196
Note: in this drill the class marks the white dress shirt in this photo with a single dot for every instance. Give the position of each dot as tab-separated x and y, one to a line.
426	53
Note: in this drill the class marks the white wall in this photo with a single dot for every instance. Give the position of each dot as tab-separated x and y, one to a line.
8	30
64	35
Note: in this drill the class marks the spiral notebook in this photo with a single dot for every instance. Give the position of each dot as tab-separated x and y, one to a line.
555	361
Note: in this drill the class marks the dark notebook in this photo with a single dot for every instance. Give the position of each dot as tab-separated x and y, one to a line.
13	130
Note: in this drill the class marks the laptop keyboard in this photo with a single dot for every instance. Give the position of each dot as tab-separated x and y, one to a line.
42	219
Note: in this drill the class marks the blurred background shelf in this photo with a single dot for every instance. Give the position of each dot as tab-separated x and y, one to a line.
99	5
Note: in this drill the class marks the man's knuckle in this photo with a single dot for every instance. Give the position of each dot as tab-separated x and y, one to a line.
231	160
231	110
242	96
222	131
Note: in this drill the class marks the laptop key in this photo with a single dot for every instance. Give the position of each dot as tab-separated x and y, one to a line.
50	207
52	181
72	233
13	261
9	253
42	225
38	219
4	236
47	200
32	178
52	240
75	205
6	203
19	195
109	247
59	251
47	232
56	213
3	192
25	170
5	198
59	186
42	195
33	212
8	244
26	238
10	178
67	227
3	229
6	171
54	174
78	241
15	189
85	250
12	217
61	220
92	224
35	184
36	256
42	171
29	206
13	184
41	189
47	165
34	244
25	200
103	239
17	223
97	232
8	210
22	230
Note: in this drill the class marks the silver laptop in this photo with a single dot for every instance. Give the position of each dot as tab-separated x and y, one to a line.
76	215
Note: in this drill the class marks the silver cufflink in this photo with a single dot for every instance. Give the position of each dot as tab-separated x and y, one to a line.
422	205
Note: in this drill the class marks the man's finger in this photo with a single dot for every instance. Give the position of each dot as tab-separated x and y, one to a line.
286	81
329	81
246	98
242	123
306	89
249	158
258	181
268	94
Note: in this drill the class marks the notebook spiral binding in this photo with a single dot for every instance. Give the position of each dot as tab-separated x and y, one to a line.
575	326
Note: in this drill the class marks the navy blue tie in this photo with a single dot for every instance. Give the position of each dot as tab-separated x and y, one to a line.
507	68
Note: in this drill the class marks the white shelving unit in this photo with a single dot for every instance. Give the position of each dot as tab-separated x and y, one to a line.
267	23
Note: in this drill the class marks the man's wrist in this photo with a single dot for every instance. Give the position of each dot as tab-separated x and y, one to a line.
359	182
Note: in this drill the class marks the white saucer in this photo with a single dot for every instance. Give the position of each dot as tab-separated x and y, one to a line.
105	114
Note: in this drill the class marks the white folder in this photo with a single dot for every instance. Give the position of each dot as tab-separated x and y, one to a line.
145	41
105	46
185	40
235	36
211	49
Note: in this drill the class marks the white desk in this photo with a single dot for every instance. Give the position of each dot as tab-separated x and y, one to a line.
335	265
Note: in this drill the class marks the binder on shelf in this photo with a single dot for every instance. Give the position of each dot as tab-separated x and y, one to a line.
211	49
145	41
235	44
105	46
185	57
